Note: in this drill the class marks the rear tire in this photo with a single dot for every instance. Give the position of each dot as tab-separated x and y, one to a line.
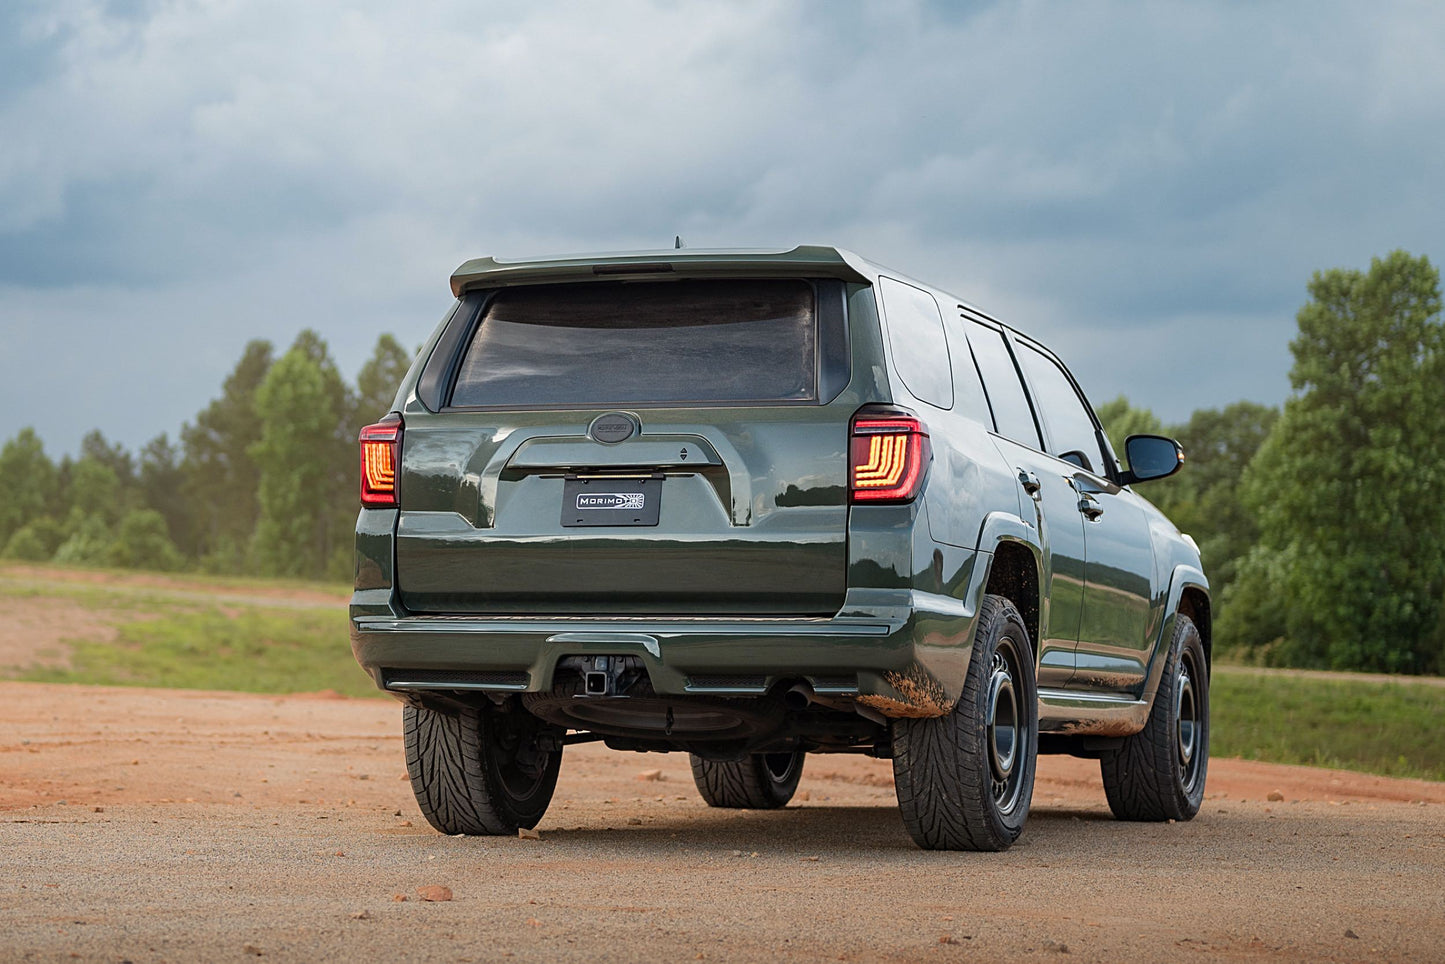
479	771
763	781
965	780
1159	772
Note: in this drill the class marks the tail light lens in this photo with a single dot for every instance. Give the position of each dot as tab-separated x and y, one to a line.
380	455
888	456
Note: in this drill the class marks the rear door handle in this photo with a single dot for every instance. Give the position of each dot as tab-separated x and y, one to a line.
1030	482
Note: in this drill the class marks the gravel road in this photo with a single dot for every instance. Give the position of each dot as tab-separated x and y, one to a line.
150	825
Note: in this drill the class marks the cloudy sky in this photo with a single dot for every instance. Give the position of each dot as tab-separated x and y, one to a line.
1146	187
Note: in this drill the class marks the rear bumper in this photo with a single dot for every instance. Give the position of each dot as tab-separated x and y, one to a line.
901	652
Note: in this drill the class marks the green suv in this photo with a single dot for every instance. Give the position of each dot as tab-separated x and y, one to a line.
753	505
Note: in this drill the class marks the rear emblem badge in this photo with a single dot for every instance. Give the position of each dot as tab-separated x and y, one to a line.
612	428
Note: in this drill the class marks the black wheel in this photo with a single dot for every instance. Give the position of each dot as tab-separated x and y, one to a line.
965	780
763	781
1159	772
480	771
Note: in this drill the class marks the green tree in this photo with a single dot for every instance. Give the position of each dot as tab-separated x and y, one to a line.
162	484
1121	420
89	541
112	455
57	501
1349	486
142	542
378	379
95	490
28	479
220	476
35	541
305	454
1219	445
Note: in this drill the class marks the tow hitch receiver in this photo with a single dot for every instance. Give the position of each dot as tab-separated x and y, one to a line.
605	676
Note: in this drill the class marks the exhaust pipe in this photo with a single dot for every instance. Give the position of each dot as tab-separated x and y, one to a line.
799	696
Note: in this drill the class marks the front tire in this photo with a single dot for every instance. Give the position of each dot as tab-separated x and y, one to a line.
763	781
965	781
1159	772
479	771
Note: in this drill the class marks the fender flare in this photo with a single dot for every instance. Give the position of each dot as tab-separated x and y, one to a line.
1003	527
1000	527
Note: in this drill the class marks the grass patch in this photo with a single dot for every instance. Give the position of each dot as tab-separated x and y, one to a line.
116	599
254	650
50	576
1390	728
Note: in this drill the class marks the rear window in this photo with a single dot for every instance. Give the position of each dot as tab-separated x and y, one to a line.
611	343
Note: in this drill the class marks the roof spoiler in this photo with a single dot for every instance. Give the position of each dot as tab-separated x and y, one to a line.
804	261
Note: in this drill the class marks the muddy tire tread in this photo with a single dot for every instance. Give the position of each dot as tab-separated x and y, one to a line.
940	764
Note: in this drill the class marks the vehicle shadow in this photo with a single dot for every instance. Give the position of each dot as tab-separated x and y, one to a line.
799	832
814	829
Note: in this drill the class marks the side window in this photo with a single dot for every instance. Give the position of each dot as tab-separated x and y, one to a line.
968	397
915	333
1011	412
1071	428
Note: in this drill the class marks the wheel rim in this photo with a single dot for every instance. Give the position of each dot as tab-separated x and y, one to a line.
520	767
780	766
1188	723
1004	726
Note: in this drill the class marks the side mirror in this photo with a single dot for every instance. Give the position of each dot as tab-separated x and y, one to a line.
1151	457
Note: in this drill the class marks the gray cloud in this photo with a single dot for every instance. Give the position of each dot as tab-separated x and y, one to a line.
1138	186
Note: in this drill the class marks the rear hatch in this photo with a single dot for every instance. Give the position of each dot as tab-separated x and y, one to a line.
630	446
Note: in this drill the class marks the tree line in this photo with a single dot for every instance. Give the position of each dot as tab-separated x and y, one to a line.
1321	524
261	482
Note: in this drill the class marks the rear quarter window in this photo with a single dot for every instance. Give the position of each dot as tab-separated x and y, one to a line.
920	349
968	396
597	344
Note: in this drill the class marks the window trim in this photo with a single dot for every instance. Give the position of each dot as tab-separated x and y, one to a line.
998	327
957	325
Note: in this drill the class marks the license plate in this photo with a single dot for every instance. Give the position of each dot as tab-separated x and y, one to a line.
614	501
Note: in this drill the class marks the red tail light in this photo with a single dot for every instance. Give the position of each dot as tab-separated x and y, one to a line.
380	454
888	456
